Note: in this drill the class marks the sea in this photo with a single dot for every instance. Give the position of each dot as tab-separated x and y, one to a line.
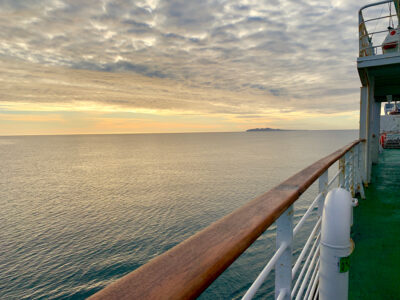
80	211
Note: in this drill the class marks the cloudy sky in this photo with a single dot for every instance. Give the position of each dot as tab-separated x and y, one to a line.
177	65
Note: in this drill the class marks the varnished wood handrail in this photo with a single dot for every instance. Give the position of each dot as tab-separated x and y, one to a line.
186	270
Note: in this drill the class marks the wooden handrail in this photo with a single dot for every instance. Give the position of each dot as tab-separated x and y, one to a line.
186	270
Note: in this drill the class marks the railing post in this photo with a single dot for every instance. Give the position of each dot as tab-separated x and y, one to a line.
375	128
322	188
357	169
351	171
283	266
347	171
358	172
359	159
363	132
360	20
370	134
342	170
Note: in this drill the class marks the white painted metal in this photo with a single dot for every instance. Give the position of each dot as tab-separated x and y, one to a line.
347	171
307	283
305	248
363	130
323	190
335	243
352	168
313	279
373	4
314	286
307	213
378	60
376	120
306	265
282	294
356	169
264	273
360	186
359	158
334	178
392	38
341	174
316	292
369	119
367	39
308	273
283	266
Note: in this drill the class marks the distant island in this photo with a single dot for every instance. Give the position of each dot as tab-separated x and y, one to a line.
265	129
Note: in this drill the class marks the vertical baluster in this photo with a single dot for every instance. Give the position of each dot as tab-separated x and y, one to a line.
342	171
359	175
363	131
322	188
347	171
358	181
352	168
356	169
359	155
360	162
283	266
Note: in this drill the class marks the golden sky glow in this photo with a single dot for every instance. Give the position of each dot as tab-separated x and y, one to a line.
70	68
59	100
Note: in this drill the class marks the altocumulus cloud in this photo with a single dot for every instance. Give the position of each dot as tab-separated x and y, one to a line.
292	52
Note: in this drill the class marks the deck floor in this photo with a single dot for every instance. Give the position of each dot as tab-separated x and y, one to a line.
375	262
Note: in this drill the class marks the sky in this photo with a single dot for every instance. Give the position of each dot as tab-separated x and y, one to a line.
144	66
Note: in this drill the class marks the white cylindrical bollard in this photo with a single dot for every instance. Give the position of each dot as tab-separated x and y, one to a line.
336	245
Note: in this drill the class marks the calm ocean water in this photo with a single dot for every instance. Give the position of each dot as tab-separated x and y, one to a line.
78	212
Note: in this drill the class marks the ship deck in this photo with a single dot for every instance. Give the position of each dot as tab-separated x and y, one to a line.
375	262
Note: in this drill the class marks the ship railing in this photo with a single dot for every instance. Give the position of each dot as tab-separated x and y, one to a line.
186	270
300	280
371	42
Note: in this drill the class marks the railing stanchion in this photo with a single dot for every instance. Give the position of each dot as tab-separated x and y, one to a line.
359	161
352	170
358	169
341	168
283	266
322	188
347	171
360	188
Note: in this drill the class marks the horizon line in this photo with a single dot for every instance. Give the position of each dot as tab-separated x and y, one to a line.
143	133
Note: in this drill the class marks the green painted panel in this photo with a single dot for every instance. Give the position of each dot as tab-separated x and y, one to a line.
375	261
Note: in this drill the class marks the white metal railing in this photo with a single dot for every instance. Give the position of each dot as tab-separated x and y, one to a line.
371	41
187	269
299	280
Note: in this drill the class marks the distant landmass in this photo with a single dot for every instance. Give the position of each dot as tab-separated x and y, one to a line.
265	129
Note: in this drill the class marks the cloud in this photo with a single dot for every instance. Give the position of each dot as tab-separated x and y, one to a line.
294	55
30	118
